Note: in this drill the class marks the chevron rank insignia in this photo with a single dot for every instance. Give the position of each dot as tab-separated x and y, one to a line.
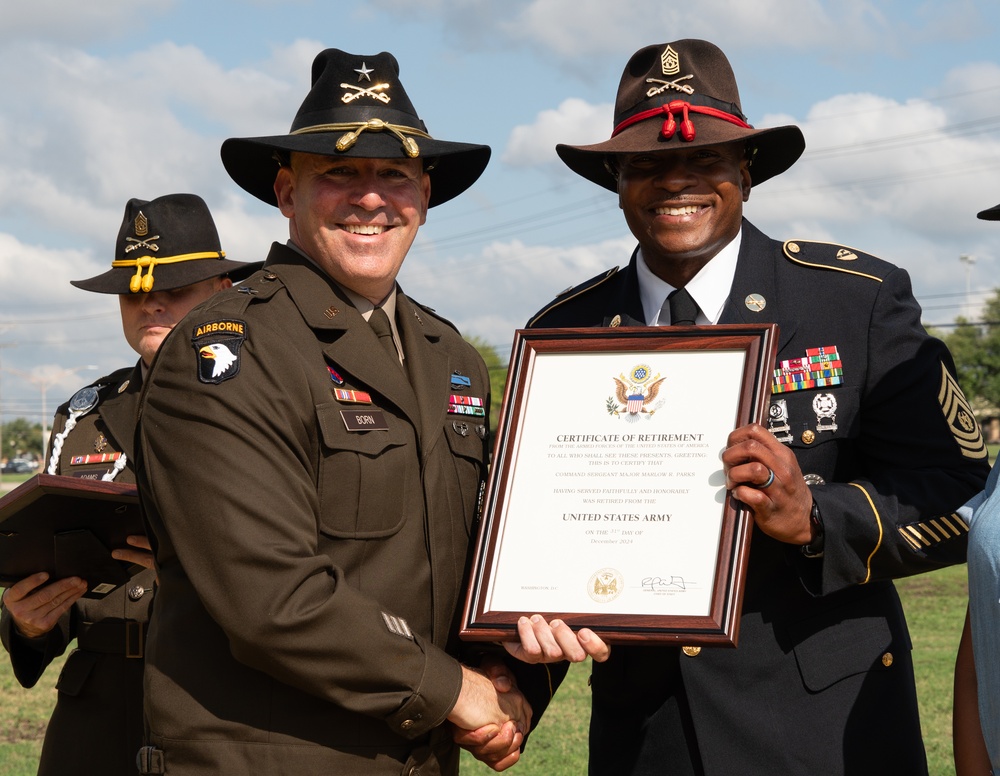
930	533
961	419
217	346
397	625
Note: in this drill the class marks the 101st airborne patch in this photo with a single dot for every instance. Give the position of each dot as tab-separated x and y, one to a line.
217	345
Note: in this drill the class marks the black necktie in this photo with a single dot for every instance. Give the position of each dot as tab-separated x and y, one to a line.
683	309
379	322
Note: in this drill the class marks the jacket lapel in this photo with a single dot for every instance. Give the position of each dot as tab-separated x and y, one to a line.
428	364
119	410
351	343
625	302
756	275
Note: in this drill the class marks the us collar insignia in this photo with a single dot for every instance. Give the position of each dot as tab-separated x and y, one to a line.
634	395
819	368
218	344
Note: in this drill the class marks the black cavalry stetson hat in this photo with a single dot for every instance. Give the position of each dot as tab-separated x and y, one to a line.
990	214
356	107
678	95
166	243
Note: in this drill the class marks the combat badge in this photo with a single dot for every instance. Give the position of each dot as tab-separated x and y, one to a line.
217	346
777	421
634	396
961	420
825	407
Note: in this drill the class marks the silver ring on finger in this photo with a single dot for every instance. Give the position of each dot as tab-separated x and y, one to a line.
770	479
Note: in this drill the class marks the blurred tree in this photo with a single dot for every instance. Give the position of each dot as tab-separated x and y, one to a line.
21	439
976	349
498	376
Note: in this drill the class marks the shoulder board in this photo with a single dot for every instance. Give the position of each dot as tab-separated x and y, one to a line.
115	378
258	287
433	314
838	258
573	292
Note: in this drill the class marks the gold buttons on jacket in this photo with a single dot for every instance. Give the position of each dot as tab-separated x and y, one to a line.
793	247
808	437
887	659
691	651
136	592
406	724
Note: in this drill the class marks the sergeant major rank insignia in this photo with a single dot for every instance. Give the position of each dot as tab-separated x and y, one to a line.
217	345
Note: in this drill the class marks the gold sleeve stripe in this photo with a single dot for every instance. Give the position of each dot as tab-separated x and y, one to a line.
929	527
933	531
943	524
909	530
878	544
914	544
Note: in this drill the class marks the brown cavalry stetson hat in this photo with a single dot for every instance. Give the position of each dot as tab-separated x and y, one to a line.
356	107
682	95
990	214
166	243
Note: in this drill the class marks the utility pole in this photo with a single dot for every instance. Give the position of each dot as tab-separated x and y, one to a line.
2	346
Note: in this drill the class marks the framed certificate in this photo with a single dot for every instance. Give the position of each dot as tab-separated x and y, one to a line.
606	504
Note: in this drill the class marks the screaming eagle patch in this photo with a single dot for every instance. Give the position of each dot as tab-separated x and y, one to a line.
217	347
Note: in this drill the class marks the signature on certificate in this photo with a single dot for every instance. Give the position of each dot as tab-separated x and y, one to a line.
663	584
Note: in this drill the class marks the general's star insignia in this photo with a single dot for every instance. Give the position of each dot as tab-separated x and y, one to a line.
364	71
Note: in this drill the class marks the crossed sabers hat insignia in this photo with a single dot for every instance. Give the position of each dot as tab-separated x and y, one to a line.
372	91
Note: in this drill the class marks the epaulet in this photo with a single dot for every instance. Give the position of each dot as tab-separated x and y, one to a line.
114	378
433	314
838	258
573	292
258	287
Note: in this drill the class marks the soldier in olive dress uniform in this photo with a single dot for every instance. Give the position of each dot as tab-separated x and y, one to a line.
167	259
313	451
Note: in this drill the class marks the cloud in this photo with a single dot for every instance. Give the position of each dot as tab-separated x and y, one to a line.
575	122
77	23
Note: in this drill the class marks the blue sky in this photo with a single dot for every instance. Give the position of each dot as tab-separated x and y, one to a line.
112	99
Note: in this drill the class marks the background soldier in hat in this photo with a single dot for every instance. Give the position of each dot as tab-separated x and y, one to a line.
167	259
976	725
869	449
314	450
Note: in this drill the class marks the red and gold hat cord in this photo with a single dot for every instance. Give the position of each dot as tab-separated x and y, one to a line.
140	282
354	130
686	125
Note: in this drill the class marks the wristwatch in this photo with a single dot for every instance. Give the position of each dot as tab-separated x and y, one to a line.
814	549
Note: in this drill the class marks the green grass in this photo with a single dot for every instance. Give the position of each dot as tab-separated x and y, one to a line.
935	608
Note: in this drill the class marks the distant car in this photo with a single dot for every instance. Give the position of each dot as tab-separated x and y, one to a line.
18	466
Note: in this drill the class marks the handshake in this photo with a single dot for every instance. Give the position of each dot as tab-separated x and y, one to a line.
492	716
